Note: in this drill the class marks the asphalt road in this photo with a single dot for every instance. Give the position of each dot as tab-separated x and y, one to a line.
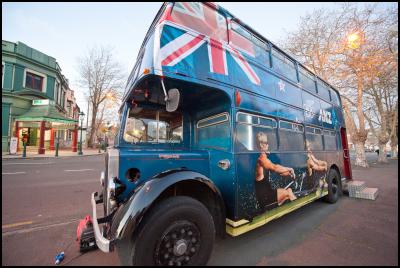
44	199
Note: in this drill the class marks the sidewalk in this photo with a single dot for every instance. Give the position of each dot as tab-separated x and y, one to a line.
51	154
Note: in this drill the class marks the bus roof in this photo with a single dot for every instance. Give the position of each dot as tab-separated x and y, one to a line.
227	14
236	19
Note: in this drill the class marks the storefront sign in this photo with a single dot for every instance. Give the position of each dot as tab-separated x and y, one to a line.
29	124
40	102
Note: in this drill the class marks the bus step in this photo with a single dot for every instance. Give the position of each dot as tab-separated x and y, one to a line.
358	189
368	193
355	186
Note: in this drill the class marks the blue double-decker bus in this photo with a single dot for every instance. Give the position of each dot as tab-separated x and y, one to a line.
220	132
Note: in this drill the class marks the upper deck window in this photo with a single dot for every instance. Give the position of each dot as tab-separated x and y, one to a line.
307	79
240	30
335	97
200	18
153	126
323	90
236	40
242	39
283	65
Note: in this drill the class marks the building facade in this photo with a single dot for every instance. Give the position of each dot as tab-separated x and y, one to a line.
36	100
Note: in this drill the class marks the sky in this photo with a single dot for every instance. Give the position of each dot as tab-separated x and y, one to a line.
66	31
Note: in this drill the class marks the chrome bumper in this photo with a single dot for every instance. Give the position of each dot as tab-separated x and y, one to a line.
103	243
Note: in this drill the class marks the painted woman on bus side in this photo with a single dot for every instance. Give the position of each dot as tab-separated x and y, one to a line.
313	164
266	195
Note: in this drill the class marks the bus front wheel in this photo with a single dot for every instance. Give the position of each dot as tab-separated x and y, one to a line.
334	187
178	231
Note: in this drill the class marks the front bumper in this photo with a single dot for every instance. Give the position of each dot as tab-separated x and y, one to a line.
103	243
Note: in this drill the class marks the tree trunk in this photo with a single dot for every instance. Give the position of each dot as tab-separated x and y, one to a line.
393	145
93	127
394	151
383	139
360	154
382	153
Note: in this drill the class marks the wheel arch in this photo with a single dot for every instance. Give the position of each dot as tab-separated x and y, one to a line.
127	219
202	192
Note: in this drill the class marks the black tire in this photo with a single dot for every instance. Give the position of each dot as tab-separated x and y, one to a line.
334	187
178	231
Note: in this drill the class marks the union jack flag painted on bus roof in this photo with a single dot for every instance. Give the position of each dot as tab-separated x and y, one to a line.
202	24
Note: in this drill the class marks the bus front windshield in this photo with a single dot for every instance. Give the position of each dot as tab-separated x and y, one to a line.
153	126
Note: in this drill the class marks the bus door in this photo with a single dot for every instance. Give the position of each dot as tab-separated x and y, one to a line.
214	135
346	155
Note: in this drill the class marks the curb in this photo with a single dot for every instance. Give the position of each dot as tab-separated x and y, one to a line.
46	157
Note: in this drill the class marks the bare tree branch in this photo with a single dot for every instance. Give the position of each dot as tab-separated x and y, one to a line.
103	77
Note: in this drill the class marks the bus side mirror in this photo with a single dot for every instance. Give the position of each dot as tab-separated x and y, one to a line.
172	102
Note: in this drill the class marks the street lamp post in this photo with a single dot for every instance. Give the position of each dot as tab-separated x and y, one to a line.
106	136
81	116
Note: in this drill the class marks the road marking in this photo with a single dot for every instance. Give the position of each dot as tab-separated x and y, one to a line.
73	170
39	228
45	163
13	173
16	224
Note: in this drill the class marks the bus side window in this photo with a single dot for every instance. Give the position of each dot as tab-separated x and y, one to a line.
291	136
269	127
314	138
214	132
330	140
247	128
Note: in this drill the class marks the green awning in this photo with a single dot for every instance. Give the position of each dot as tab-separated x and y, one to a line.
47	113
